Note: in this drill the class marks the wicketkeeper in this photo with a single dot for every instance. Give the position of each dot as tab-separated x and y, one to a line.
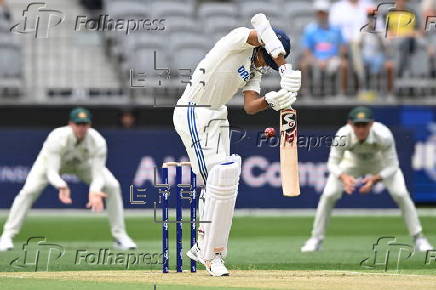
369	150
75	149
237	61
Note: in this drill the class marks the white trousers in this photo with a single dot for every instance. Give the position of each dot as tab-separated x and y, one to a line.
36	181
205	134
394	184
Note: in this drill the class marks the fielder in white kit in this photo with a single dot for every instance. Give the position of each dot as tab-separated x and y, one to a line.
369	149
74	149
237	61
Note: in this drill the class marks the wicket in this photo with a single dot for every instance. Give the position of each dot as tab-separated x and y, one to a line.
181	189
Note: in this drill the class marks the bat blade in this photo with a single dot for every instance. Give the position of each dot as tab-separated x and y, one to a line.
289	153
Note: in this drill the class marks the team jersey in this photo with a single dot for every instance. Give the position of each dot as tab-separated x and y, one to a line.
61	153
224	70
322	42
378	148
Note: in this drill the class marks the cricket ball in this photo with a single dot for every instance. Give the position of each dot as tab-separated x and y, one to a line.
270	132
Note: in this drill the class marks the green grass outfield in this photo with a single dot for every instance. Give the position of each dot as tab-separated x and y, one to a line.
256	243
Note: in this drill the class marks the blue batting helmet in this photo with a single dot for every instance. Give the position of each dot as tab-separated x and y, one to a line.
284	39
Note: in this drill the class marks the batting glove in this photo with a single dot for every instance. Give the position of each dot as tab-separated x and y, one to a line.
288	100
280	100
291	79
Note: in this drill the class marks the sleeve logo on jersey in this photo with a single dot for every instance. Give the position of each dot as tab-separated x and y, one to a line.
243	73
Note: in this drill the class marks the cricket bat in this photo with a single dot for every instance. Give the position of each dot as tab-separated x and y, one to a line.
289	153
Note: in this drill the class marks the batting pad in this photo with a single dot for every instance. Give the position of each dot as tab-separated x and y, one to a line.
221	192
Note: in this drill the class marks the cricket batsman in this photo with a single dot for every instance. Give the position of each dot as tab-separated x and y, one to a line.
369	150
75	149
237	61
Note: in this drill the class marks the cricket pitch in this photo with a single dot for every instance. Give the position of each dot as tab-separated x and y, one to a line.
256	279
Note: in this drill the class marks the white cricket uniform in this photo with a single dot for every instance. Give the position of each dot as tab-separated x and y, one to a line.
224	70
376	155
204	131
60	154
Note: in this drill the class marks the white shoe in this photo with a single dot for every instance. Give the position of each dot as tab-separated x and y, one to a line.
124	243
311	245
216	266
193	253
422	245
6	243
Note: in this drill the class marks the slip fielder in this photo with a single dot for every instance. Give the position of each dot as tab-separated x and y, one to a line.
75	149
237	61
369	150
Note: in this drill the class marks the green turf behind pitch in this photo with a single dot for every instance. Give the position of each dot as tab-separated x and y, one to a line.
44	284
255	243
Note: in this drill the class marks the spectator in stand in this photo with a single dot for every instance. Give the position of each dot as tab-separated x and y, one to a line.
429	15
375	53
127	119
350	17
4	11
92	4
323	47
403	25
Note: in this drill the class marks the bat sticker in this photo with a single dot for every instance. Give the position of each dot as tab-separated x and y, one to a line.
289	125
288	122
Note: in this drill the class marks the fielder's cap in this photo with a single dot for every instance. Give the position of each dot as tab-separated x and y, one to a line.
321	5
80	115
361	114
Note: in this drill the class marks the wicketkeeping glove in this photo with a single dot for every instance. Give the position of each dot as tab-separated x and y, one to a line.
291	79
